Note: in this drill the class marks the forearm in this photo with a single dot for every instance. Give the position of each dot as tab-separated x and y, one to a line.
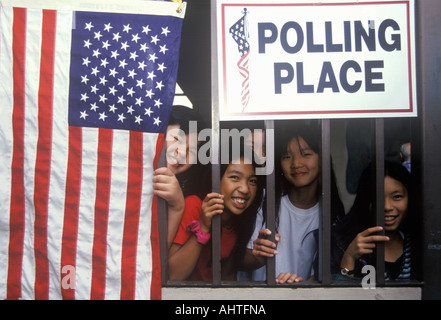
174	217
347	262
252	262
183	260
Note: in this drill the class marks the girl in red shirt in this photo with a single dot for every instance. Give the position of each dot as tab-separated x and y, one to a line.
237	203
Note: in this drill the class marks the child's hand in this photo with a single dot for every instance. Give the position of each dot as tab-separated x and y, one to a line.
263	247
166	186
212	205
363	243
288	278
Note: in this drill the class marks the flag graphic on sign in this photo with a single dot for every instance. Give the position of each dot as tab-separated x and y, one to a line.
239	32
85	103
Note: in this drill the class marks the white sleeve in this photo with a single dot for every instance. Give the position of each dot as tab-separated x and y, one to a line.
257	227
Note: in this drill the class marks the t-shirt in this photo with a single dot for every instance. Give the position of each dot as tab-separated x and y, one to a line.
203	270
297	248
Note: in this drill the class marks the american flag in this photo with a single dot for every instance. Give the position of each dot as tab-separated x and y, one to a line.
239	32
85	102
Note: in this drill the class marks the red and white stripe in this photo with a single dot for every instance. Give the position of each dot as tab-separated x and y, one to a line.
71	199
244	72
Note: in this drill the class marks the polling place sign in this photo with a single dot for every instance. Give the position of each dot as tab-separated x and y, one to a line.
315	59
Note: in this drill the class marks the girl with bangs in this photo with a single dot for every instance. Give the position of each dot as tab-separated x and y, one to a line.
237	203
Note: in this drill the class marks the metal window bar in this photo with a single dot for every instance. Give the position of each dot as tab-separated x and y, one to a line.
270	201
162	226
379	194
216	221
325	205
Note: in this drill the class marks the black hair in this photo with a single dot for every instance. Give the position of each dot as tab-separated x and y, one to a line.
182	116
310	131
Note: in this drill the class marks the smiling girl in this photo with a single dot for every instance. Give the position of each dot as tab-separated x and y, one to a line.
298	173
356	237
237	203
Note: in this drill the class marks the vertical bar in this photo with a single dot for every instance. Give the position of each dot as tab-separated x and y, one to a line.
379	195
216	222
162	226
426	153
325	204
270	200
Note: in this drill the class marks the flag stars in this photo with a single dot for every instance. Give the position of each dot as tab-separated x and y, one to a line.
114	54
98	35
140	83
121	82
112	91
103	80
103	116
148	111
154	39
139	101
107	27
158	103
86	61
94	89
106	44
121	117
130	110
83	114
151	75
163	49
132	74
116	37
122	63
144	47
96	53
146	30
130	92
127	28
112	108
135	38
93	106
84	79
138	119
95	71
124	46
161	67
159	85
149	93
114	47
104	63
87	43
153	57
141	65
84	97
121	100
165	31
113	72
103	98
133	55
88	26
